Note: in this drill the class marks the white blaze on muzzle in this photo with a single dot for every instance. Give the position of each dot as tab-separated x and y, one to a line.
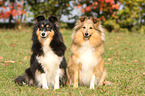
43	34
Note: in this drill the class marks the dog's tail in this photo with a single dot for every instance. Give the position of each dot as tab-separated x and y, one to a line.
27	78
20	80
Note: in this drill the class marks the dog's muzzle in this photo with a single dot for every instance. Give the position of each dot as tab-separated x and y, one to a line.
86	35
43	34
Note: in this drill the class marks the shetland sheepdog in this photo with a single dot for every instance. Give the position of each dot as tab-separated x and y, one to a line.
86	65
47	63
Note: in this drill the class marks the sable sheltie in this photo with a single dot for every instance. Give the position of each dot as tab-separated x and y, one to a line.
47	63
86	65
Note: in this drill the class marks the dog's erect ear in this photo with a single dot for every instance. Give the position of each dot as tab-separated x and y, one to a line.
40	18
53	19
82	19
97	24
95	20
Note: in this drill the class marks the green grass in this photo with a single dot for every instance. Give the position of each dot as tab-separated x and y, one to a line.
124	60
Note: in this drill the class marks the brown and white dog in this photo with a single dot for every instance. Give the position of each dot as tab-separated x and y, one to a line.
86	65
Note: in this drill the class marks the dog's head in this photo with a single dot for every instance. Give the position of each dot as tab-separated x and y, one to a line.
88	28
45	27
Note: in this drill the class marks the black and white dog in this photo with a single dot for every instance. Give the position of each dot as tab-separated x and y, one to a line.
47	64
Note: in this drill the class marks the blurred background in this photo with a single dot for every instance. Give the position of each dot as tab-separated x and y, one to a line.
116	15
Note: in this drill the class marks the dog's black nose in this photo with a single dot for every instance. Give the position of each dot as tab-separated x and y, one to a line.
86	34
43	34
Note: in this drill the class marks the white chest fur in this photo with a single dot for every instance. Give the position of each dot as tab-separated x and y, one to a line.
50	63
88	60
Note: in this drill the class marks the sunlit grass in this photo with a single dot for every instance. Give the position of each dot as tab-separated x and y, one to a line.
124	60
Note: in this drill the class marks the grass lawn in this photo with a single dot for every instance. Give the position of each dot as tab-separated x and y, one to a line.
124	60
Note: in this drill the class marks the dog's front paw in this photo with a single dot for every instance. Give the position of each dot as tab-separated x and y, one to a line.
45	87
75	86
92	86
56	86
106	83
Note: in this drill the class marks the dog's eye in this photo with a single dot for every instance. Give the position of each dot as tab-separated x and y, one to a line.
91	28
40	29
48	29
84	27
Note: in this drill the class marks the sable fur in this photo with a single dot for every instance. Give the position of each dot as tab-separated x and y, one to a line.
86	64
40	50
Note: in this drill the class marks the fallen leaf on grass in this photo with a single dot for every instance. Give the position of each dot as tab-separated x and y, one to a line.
66	49
125	62
1	57
115	43
4	64
123	58
25	57
117	63
110	48
13	45
127	48
109	59
15	40
111	40
115	54
118	38
8	37
144	74
134	61
9	61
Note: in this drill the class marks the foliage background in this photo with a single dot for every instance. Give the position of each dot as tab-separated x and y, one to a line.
116	15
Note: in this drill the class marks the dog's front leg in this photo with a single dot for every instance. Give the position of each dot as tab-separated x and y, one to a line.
92	83
75	85
44	81
56	85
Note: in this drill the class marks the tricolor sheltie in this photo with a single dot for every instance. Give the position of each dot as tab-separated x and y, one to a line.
47	64
86	65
